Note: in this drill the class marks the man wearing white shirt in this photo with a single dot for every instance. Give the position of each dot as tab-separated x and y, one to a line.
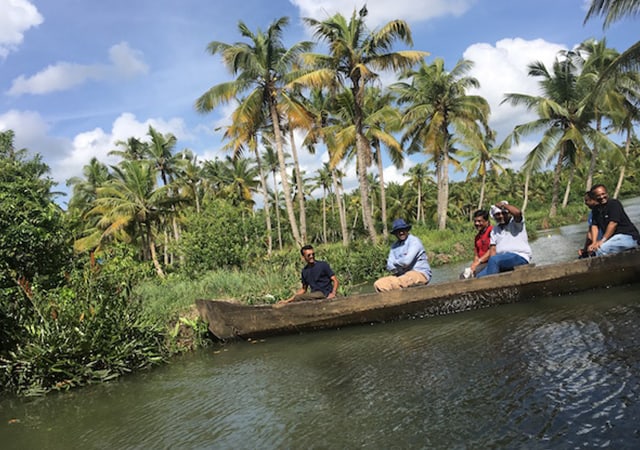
509	240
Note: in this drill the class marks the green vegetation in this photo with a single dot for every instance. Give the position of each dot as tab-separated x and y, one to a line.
108	286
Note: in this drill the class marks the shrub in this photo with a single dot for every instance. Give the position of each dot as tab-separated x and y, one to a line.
218	238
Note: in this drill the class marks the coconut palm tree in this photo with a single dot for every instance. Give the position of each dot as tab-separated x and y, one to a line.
419	175
189	177
323	180
437	106
240	179
241	134
381	120
129	207
321	107
354	55
85	188
160	152
604	101
272	165
612	11
262	67
564	122
482	159
133	149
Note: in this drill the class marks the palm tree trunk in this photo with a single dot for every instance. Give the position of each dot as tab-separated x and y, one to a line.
301	200
367	219
176	234
567	191
482	188
556	183
527	178
197	198
265	196
283	174
324	215
165	250
341	210
627	146
152	249
594	153
362	159
419	213
443	189
383	195
276	194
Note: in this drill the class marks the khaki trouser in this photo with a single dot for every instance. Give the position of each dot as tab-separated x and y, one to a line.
411	278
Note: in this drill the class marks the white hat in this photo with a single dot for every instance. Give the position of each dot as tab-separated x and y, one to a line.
495	209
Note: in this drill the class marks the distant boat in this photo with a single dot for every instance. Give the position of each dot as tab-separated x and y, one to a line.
228	320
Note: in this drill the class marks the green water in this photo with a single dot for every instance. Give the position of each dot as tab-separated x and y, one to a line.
554	373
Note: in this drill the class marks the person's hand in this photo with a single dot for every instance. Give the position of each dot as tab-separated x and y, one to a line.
331	295
595	246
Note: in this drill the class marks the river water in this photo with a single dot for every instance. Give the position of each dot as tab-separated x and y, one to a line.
559	372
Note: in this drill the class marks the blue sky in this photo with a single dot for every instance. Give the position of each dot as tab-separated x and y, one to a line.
77	76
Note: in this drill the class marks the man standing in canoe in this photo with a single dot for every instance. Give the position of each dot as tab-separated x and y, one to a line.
509	240
407	261
620	233
316	275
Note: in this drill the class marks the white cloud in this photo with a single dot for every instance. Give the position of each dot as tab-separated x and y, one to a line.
125	63
381	11
16	18
501	69
98	143
67	158
32	132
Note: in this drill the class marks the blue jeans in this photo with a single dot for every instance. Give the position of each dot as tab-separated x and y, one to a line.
616	244
502	263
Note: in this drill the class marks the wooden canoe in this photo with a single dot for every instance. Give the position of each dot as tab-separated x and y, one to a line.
227	320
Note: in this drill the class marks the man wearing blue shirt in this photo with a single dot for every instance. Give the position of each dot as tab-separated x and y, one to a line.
407	261
317	277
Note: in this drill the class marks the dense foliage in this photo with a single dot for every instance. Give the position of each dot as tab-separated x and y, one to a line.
219	238
62	324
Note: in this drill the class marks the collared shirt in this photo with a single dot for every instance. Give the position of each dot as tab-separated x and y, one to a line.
408	255
511	238
318	277
483	241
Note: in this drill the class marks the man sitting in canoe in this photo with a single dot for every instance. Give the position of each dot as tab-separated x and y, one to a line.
407	261
509	240
594	233
620	233
316	275
482	244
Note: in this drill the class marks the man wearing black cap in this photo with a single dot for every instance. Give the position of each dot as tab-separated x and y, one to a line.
407	261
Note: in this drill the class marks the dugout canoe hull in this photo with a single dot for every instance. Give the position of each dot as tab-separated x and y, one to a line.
228	320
